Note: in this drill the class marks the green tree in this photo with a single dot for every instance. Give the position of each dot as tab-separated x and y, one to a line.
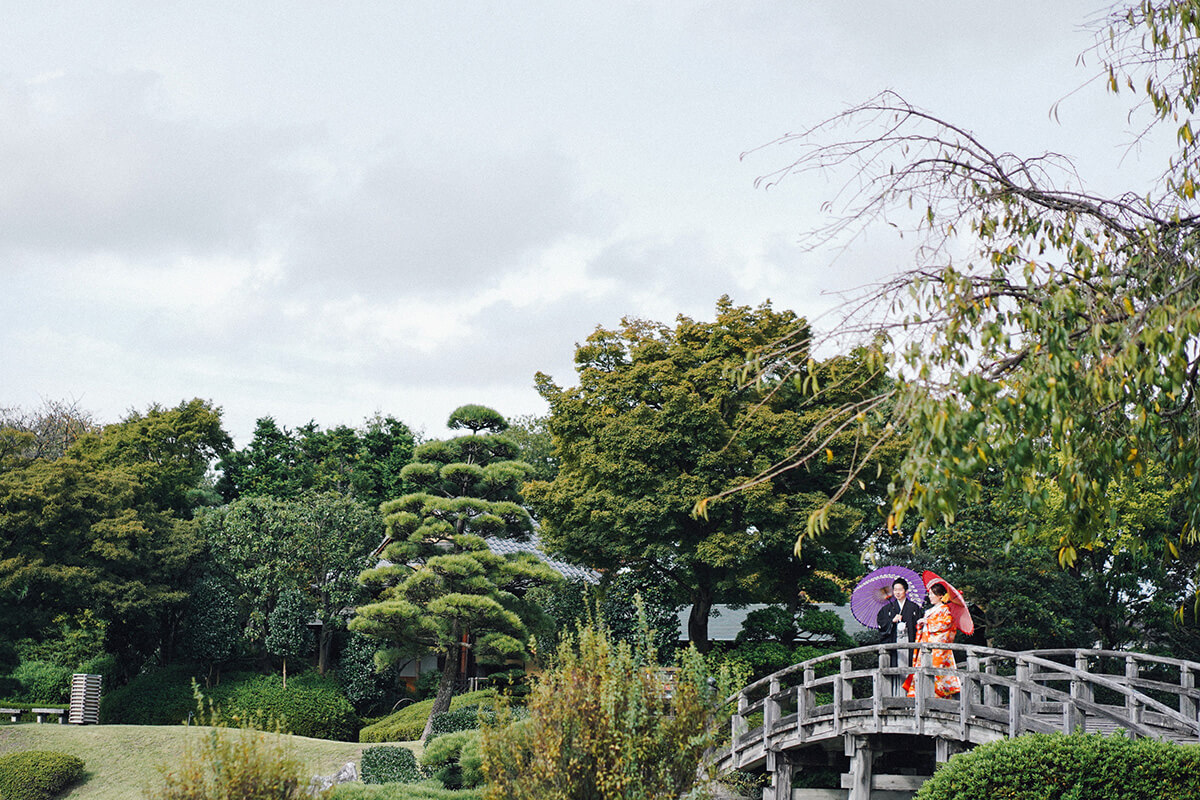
663	417
288	635
441	589
317	545
108	527
1062	345
365	463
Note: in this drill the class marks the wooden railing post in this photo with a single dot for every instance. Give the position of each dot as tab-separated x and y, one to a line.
1016	699
878	692
967	695
1187	682
921	691
1132	706
804	702
737	722
991	697
771	709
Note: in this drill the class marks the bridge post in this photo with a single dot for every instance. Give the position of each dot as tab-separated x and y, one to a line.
771	708
1016	699
780	767
878	691
1134	708
737	724
1187	682
861	756
990	694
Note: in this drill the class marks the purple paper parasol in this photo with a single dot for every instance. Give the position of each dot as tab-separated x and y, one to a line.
875	590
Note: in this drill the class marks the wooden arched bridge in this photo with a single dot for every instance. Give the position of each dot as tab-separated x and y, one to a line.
843	718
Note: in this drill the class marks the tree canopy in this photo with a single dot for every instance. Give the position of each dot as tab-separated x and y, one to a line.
663	417
108	526
1045	331
441	589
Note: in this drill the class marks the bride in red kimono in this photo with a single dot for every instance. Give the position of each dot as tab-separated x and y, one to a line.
937	626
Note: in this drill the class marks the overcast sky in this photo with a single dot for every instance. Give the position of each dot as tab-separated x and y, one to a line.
318	211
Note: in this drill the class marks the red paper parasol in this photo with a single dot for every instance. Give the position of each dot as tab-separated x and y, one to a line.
955	602
875	590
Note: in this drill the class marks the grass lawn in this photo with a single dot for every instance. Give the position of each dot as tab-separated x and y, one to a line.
121	760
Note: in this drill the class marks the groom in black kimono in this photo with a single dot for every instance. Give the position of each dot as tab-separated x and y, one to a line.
898	622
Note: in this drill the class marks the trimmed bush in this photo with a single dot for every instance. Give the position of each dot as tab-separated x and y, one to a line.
37	774
42	682
311	705
161	697
455	759
407	724
463	718
389	765
1079	767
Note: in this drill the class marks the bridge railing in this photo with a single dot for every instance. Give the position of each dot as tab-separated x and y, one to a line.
1004	691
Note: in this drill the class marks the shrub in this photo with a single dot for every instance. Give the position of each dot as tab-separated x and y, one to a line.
455	759
161	697
42	682
603	722
1081	767
389	765
37	774
311	705
245	763
463	718
407	724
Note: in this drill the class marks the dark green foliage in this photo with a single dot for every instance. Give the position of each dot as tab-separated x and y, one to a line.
316	544
159	697
311	705
441	581
108	528
663	417
389	765
371	691
476	418
1054	766
455	759
463	718
211	626
288	635
363	463
568	604
42	683
37	774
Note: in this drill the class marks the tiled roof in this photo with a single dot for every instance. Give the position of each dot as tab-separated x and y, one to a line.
534	545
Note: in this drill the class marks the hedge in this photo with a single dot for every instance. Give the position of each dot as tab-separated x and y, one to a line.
311	705
463	718
407	724
1079	767
37	774
389	765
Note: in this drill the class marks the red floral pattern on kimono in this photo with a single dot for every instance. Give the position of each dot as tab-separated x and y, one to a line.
937	626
